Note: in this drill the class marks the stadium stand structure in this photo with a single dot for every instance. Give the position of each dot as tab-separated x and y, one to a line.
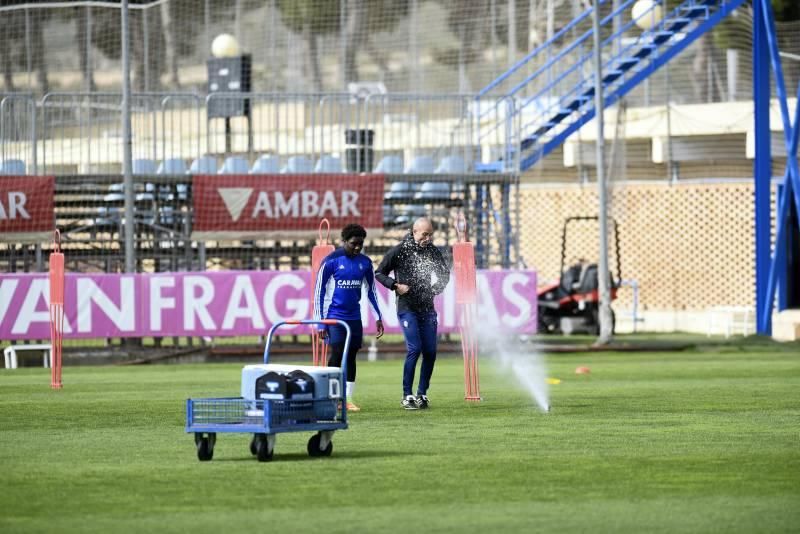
563	97
515	122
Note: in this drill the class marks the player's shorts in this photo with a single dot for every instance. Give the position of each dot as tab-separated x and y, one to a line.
337	334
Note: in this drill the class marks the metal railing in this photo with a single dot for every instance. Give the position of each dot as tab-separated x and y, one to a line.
81	133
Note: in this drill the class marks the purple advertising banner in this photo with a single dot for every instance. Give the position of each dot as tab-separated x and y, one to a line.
228	303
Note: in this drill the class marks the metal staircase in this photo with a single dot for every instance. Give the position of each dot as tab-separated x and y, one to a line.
549	94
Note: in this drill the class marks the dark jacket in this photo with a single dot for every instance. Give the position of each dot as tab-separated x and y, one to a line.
414	266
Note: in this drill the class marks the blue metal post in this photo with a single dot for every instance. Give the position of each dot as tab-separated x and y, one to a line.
480	231
791	178
507	231
780	268
762	167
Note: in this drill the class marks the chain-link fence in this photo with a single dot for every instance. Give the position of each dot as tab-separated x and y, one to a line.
301	46
679	146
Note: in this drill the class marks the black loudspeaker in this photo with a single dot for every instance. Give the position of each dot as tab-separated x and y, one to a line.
299	385
229	75
271	385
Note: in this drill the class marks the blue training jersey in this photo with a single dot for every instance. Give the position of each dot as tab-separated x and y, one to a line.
337	294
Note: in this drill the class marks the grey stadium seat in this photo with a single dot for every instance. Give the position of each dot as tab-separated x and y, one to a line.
390	165
172	166
204	165
266	164
421	165
328	164
452	165
12	166
298	164
235	165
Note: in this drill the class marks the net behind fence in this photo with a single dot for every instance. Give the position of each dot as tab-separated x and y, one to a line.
346	89
399	46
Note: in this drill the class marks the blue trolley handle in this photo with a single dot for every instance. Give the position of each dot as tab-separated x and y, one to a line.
311	321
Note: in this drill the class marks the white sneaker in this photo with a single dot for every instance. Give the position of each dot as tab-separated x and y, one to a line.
409	402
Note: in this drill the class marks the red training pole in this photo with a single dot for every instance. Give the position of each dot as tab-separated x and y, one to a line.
320	251
466	298
56	311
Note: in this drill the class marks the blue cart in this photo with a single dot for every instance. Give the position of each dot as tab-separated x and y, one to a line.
265	418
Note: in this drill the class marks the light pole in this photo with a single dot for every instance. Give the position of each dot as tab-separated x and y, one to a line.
606	326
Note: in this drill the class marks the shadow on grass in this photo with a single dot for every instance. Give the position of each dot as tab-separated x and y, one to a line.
290	456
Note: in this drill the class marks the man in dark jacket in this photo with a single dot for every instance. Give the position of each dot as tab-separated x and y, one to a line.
420	273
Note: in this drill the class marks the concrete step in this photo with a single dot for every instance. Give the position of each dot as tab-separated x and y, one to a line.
786	325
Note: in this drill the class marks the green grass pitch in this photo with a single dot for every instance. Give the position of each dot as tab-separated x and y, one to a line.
694	441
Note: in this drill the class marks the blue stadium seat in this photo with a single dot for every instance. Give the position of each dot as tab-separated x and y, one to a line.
235	165
400	190
165	192
390	165
12	166
204	165
433	191
407	214
143	166
266	164
421	165
172	166
117	192
328	164
452	165
298	164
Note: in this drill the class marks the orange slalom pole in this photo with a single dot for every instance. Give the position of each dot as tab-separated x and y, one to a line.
466	297
56	311
319	349
469	347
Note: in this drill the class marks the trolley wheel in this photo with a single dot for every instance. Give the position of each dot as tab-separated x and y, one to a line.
263	453
313	447
253	449
205	451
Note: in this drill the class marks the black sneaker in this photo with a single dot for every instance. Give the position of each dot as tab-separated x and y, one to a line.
422	402
409	402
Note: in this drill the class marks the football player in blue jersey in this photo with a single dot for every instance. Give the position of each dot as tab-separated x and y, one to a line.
337	295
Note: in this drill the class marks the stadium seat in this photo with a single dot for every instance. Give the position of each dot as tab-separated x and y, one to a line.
400	190
143	166
204	165
235	165
452	165
390	165
421	165
407	214
266	164
117	192
172	166
298	164
328	164
165	192
433	191
12	166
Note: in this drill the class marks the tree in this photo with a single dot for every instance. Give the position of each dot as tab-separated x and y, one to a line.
311	19
15	44
364	21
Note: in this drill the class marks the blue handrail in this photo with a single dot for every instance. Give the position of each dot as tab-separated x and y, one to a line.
547	44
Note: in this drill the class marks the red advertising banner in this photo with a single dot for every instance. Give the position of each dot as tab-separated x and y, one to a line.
26	208
239	205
